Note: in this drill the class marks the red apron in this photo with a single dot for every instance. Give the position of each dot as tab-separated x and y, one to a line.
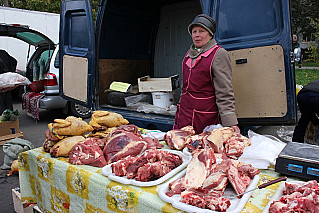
198	106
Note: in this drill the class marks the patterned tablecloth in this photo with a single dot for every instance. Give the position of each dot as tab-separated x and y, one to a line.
58	186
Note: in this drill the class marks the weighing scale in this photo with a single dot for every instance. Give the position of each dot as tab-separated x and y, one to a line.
300	160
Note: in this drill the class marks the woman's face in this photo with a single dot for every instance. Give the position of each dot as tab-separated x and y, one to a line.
200	36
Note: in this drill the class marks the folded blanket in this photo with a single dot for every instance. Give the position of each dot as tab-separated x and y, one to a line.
30	103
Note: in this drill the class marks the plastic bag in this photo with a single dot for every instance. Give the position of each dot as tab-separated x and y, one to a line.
10	79
136	100
212	127
263	151
285	133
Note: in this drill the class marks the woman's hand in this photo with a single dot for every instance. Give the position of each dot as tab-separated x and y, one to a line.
236	129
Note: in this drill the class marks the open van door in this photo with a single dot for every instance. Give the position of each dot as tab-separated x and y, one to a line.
257	35
77	52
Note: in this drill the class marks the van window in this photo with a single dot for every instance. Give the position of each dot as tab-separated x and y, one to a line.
57	60
258	21
75	29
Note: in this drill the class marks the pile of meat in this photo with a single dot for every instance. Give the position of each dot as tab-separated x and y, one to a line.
65	138
127	141
298	197
205	181
151	165
223	140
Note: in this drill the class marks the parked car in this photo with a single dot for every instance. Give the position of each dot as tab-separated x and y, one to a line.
44	48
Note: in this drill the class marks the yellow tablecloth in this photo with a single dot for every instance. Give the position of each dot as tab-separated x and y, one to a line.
58	186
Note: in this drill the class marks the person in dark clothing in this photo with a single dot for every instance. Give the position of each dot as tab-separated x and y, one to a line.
308	102
7	64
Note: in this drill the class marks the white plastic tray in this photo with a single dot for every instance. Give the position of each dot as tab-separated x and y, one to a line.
186	151
236	204
277	195
107	171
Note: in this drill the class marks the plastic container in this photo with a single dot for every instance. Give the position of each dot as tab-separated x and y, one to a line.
163	99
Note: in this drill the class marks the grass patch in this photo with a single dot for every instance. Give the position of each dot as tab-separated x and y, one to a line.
309	64
305	76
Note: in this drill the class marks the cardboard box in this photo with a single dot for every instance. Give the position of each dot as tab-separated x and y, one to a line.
6	138
9	127
147	84
18	207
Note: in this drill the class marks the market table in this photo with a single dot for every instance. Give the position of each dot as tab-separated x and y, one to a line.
58	186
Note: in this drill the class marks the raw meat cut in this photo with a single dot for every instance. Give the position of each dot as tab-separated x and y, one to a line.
121	143
235	145
291	187
216	182
298	197
176	138
176	187
129	128
116	150
205	201
196	141
87	152
240	174
120	168
151	165
152	171
199	167
218	137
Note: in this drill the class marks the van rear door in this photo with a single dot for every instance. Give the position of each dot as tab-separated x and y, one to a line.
257	35
77	52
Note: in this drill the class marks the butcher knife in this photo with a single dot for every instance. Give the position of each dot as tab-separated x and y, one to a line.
259	187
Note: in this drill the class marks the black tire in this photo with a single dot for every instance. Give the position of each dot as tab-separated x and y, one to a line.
80	111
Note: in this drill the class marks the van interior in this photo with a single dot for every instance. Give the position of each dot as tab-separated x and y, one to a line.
140	39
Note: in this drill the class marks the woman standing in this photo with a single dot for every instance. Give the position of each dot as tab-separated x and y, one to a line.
207	96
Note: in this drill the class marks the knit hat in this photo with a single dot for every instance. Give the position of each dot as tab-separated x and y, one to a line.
204	21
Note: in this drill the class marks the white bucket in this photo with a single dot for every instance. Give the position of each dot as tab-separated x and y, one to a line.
163	99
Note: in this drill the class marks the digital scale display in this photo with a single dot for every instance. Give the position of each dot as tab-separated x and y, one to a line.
312	171
295	168
298	168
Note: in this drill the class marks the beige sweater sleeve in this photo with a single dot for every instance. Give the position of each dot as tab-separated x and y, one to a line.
222	78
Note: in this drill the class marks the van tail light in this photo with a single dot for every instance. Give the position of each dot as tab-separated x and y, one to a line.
50	80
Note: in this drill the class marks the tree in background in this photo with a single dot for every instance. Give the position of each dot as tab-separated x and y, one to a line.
302	12
52	6
314	47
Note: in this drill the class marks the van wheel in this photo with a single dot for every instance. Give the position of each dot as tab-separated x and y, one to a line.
80	111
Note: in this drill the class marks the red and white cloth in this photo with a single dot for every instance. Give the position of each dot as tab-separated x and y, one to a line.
30	103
